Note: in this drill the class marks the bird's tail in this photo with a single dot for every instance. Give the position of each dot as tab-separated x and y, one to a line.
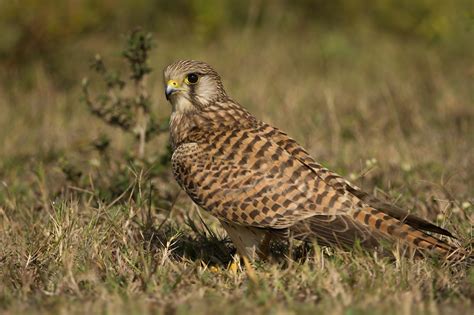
378	221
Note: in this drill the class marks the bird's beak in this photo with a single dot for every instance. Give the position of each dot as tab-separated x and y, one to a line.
171	87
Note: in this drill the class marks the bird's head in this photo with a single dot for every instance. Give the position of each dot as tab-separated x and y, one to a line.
192	85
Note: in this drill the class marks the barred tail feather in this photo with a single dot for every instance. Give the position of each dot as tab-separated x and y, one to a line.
388	225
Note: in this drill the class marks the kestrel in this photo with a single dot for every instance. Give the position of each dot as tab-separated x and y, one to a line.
261	184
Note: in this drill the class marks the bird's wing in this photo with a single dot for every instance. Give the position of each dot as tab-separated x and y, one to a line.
245	177
342	185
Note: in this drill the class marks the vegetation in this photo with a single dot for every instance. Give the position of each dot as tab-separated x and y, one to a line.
91	219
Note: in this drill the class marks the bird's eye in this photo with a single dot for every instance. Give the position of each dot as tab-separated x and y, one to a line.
192	78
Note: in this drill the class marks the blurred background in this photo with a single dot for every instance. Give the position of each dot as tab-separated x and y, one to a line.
58	35
387	81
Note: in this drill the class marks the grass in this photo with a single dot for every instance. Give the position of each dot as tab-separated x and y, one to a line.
85	231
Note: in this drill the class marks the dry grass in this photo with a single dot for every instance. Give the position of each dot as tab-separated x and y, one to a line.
395	117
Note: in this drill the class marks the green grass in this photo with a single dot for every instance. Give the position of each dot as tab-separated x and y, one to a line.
82	231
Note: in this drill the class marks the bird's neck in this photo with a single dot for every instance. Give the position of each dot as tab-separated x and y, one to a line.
192	126
180	125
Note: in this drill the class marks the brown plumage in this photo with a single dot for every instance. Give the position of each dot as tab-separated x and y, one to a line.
260	183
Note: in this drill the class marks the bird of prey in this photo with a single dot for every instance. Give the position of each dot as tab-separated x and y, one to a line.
261	184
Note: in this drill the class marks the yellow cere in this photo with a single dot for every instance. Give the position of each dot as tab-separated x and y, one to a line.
172	83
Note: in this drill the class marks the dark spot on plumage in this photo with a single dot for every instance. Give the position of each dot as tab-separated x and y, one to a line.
227	204
367	218
320	197
253	214
356	214
333	200
378	223
244	206
287	202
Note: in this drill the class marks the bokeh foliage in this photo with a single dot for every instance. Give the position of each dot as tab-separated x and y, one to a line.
33	29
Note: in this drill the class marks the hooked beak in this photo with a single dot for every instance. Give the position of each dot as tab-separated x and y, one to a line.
171	87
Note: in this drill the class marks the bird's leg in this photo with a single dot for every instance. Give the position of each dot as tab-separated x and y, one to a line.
250	242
